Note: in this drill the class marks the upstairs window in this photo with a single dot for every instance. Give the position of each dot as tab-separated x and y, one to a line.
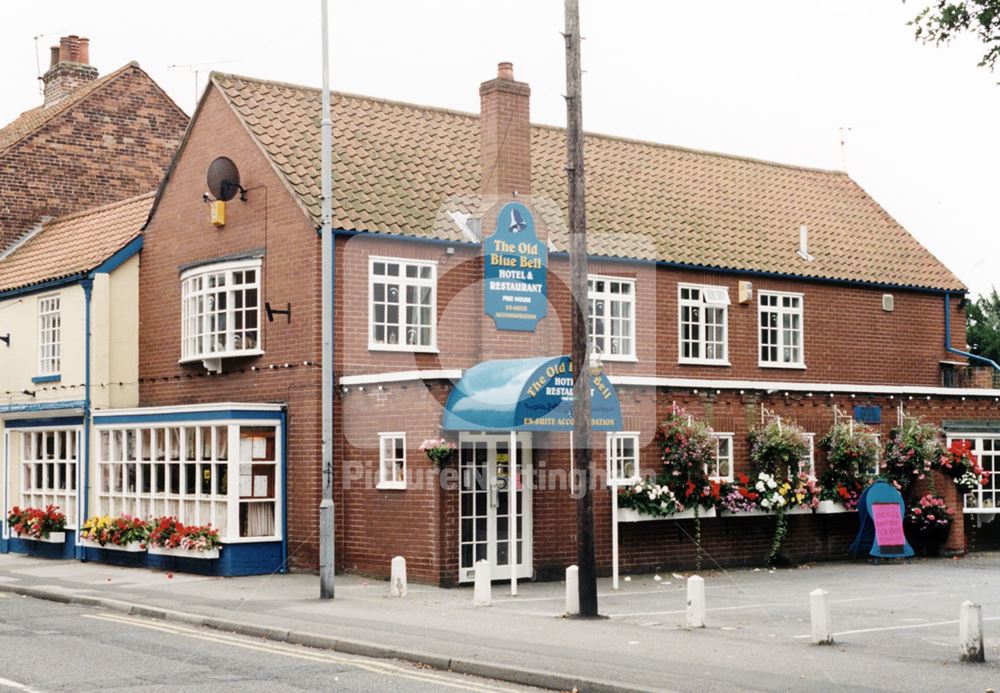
780	329
403	305
703	324
220	311
611	313
49	336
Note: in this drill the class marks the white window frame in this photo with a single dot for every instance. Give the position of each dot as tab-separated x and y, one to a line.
39	466
384	480
981	494
781	311
710	296
221	510
807	464
189	352
614	459
404	282
608	297
713	473
49	335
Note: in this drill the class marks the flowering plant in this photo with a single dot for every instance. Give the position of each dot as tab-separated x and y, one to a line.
846	492
168	533
851	450
688	451
740	496
912	449
119	531
35	522
774	494
930	512
777	447
806	492
650	498
961	464
438	450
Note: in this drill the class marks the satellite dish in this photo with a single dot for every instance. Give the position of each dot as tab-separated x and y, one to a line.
223	179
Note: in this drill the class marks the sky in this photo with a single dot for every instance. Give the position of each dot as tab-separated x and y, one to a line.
766	79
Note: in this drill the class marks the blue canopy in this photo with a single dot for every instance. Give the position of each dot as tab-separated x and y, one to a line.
534	394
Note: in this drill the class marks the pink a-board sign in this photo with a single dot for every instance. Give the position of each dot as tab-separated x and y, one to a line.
888	519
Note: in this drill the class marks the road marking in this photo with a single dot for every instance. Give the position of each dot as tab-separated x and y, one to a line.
283	649
885	628
7	683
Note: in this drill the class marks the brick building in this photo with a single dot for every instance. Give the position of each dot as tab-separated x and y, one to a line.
94	140
726	285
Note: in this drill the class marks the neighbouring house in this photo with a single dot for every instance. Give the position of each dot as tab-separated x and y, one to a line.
94	140
70	317
739	289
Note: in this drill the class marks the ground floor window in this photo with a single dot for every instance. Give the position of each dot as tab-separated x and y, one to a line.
807	464
623	458
722	470
220	473
987	451
48	469
392	460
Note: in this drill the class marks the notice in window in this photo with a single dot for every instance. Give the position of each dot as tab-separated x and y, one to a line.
260	486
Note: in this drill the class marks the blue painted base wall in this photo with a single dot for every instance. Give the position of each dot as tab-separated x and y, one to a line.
235	560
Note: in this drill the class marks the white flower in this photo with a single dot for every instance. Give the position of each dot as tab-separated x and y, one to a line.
652	496
771	483
759	486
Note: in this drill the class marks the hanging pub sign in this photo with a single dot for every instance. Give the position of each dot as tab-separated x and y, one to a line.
515	267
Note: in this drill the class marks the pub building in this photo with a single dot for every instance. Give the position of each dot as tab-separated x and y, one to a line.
735	288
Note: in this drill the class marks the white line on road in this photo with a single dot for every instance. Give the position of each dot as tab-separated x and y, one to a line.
885	628
298	652
7	683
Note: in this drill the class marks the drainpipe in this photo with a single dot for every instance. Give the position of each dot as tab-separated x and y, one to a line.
947	337
81	510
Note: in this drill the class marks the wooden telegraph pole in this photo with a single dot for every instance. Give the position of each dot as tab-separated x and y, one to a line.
586	560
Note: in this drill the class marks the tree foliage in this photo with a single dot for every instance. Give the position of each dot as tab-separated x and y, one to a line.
944	20
983	326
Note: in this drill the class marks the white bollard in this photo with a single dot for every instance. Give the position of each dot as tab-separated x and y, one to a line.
397	577
572	591
696	602
819	609
484	586
970	632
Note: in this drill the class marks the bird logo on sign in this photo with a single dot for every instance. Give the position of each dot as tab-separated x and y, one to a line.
517	223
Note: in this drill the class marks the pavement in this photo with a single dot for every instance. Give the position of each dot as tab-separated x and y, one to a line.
896	624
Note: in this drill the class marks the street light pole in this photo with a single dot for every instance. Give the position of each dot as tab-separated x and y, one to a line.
586	560
326	508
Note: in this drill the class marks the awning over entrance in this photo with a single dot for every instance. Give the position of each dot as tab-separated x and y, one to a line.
534	394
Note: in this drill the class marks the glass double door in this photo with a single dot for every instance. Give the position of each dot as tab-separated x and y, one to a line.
485	482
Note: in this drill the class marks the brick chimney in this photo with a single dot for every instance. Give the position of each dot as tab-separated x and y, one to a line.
69	70
504	136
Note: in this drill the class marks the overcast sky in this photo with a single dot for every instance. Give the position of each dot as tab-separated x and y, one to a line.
774	80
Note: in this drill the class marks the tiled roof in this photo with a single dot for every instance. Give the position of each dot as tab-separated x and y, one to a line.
74	244
33	119
400	169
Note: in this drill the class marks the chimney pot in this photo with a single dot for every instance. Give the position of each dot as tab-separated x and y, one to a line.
505	71
85	51
64	49
54	56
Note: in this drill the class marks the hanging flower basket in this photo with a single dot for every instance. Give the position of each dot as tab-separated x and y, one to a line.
438	450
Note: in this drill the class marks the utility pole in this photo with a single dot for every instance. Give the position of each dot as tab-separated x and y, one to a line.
326	514
585	559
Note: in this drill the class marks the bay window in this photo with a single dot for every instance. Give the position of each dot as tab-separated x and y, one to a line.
220	312
402	310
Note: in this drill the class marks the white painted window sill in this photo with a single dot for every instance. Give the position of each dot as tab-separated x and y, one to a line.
391	486
784	366
406	348
702	362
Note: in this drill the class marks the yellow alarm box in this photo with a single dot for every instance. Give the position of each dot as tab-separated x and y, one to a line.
218	213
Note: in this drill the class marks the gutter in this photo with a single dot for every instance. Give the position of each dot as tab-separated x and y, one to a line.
947	337
81	510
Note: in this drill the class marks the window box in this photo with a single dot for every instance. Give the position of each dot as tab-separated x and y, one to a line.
750	513
131	547
211	554
53	538
630	515
829	507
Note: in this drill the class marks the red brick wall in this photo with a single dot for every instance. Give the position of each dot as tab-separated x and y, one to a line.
114	144
180	233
